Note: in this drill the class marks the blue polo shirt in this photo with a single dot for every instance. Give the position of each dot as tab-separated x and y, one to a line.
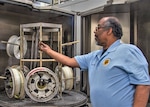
113	75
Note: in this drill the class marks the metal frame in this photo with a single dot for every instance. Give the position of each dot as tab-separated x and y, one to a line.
48	27
24	27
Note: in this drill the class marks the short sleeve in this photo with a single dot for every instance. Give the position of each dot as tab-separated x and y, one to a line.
84	60
136	66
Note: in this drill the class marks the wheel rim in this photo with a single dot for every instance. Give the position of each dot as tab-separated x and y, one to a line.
41	84
14	84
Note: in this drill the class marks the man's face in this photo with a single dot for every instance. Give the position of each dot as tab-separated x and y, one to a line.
100	34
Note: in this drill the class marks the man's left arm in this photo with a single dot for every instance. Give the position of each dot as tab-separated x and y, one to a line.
141	96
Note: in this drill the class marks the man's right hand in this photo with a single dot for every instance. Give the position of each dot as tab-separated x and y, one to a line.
44	47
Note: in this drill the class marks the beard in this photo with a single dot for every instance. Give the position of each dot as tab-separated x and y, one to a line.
96	40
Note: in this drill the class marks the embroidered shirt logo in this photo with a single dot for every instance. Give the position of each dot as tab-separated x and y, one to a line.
106	62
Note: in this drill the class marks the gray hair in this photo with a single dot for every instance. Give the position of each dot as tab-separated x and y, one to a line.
114	23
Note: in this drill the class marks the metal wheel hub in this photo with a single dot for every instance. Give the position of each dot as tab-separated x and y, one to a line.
14	84
68	76
41	84
14	50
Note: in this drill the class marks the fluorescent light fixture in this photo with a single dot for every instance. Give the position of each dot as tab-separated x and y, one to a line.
41	3
45	1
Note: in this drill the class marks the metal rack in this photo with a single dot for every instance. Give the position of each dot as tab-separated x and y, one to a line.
36	33
42	27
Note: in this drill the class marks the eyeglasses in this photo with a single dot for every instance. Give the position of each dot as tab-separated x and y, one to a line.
100	26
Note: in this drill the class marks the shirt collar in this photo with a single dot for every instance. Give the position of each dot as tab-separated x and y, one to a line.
110	49
114	45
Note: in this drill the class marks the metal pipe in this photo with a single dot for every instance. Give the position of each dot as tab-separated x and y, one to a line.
32	48
9	43
1	77
69	43
36	47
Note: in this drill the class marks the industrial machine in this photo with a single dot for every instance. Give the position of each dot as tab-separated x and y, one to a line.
29	77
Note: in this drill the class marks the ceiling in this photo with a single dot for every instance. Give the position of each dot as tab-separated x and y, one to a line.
71	6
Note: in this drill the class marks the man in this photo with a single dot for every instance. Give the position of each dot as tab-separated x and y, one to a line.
118	73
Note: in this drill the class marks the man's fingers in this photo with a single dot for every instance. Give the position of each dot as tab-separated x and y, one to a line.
41	43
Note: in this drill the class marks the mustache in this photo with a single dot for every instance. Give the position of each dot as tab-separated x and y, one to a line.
95	35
